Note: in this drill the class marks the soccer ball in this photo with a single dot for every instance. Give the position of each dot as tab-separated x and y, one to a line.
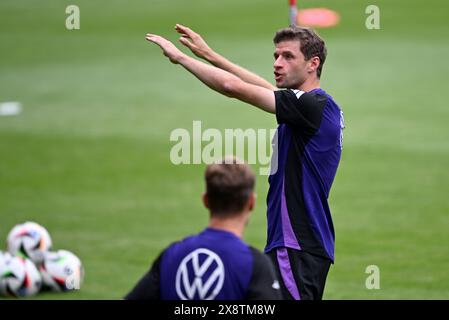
62	271
19	277
29	240
3	257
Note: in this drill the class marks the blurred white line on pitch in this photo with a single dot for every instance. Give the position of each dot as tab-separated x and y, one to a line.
10	108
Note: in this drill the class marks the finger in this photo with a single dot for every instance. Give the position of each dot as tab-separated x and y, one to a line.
180	27
154	39
183	29
184	35
155	36
186	42
151	38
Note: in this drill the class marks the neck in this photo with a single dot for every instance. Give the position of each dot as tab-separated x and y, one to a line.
310	84
235	225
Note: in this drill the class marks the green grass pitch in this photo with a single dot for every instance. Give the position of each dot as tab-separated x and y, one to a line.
89	156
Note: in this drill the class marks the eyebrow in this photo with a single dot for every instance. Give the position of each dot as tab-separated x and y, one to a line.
283	52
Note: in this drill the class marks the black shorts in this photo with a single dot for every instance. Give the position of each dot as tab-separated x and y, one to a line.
302	275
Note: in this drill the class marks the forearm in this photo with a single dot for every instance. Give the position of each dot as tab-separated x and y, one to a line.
221	62
229	84
199	47
215	78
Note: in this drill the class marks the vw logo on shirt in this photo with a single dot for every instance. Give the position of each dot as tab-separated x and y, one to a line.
200	275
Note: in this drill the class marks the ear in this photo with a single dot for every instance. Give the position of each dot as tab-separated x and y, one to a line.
205	199
252	201
314	63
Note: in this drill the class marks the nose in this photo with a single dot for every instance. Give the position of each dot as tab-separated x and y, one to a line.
277	63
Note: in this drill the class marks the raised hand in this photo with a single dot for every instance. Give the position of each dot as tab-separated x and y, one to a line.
168	48
193	41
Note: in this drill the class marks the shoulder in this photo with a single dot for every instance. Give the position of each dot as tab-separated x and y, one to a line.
260	260
263	284
169	250
312	98
181	242
300	109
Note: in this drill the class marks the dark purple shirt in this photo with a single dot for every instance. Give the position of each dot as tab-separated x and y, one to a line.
308	150
212	265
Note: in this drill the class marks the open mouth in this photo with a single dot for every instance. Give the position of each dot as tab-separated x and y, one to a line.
277	76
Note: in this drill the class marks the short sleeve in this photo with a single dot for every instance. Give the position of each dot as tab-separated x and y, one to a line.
300	109
263	284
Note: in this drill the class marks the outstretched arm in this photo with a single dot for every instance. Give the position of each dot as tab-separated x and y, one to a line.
217	79
199	47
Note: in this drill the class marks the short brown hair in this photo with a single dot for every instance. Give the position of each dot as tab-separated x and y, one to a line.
310	43
229	184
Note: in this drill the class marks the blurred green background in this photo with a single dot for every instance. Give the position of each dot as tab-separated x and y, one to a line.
88	157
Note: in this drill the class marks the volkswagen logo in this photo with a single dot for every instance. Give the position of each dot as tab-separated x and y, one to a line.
200	275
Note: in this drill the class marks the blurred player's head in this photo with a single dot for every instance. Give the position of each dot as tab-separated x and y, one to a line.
299	55
229	188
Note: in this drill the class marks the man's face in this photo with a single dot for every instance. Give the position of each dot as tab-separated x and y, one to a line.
290	67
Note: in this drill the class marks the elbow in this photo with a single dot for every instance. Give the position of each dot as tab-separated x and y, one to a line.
230	88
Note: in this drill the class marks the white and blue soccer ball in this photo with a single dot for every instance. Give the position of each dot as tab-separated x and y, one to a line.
29	240
62	271
19	277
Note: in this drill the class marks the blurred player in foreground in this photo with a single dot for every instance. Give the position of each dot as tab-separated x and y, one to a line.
215	264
